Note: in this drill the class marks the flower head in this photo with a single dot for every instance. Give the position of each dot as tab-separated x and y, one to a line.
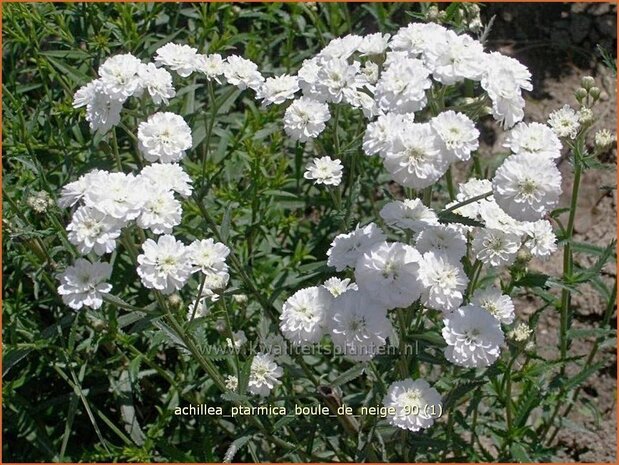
304	314
533	139
164	265
346	248
264	375
278	89
305	119
359	326
444	281
324	170
496	303
164	137
388	272
564	122
119	76
526	187
92	230
83	283
178	57
409	214
473	336
415	402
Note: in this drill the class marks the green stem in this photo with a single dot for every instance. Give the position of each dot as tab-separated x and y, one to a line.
467	201
568	263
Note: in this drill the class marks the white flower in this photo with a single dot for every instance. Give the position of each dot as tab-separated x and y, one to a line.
308	77
472	188
305	119
212	66
401	87
604	140
379	134
496	248
346	248
457	134
494	217
160	212
102	111
232	383
209	257
456	58
542	239
371	72
169	176
359	326
341	47
73	192
201	307
416	404
564	122
276	346
83	284
415	159
278	89
158	83
164	265
417	38
374	44
409	214
444	281
118	195
239	340
178	57
264	375
324	170
527	187
520	333
533	139
504	79
496	303
242	73
92	230
303	315
473	336
336	78
164	137
444	239
119	76
337	286
388	272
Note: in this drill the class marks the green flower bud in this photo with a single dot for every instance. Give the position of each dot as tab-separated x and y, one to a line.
595	92
581	93
587	82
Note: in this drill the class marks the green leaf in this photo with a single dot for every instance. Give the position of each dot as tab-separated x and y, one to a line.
519	454
349	375
451	217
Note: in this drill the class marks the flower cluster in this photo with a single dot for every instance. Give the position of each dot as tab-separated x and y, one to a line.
419	261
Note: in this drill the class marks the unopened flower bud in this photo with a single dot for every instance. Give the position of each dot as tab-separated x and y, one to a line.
432	13
587	82
595	92
524	256
581	93
240	298
604	140
174	301
220	326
